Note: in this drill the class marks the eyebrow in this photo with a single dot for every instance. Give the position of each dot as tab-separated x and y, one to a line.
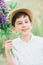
19	21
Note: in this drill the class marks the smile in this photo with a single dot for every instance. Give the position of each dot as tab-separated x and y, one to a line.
24	30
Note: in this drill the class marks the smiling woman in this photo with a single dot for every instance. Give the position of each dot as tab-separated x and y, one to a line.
29	48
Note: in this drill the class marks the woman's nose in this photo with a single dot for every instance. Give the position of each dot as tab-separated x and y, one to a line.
24	25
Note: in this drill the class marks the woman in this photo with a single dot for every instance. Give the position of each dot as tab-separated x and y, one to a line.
29	48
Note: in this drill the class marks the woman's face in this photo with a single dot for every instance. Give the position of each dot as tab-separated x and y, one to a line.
23	25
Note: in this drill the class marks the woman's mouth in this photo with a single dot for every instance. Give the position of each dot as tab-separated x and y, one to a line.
24	30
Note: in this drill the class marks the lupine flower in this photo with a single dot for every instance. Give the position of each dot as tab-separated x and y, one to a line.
3	18
3	5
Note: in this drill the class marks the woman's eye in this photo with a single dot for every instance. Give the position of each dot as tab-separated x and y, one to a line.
26	21
19	23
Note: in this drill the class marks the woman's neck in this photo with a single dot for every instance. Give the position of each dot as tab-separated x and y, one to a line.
26	38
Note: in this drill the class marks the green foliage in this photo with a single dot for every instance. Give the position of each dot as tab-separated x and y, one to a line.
0	9
38	31
3	38
12	5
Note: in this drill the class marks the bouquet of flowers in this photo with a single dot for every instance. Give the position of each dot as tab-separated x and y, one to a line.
5	27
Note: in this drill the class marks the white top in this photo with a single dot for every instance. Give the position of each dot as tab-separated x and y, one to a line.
30	53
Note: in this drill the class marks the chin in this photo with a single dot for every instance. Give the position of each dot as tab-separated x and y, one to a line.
25	33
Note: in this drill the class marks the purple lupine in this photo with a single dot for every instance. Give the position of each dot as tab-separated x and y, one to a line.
3	18
0	20
3	5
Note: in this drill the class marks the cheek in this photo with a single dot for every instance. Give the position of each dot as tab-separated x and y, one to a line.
18	28
30	26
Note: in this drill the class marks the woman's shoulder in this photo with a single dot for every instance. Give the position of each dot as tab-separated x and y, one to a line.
38	38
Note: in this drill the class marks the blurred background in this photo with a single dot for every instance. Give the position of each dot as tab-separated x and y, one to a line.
36	6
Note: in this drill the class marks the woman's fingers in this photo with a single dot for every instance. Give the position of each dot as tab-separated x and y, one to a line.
8	45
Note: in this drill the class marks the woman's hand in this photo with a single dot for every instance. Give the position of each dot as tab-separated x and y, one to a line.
8	45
